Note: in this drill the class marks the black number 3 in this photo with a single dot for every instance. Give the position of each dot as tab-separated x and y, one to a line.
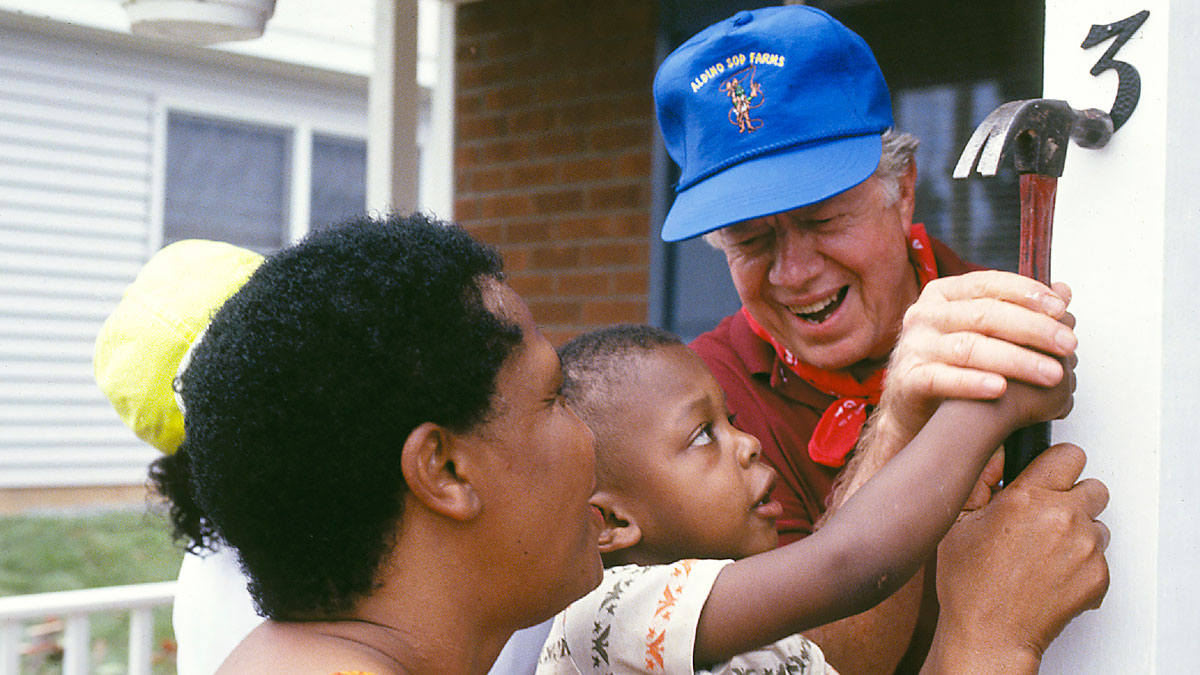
1129	83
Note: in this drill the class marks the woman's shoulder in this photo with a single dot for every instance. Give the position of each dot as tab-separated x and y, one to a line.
314	648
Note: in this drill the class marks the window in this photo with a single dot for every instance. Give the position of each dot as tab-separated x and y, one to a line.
227	180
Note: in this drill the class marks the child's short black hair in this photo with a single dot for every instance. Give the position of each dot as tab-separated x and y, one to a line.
301	394
593	365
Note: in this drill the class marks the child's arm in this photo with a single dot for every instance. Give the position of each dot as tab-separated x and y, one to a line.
878	538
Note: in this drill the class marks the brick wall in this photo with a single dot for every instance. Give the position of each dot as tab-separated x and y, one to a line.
552	151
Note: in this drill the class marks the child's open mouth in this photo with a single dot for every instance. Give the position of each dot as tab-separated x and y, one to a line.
767	507
817	312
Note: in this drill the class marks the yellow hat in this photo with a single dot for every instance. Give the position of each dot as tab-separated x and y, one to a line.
161	313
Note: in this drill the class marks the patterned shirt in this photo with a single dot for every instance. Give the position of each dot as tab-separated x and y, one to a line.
643	620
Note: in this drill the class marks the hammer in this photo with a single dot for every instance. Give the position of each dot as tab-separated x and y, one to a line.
1035	133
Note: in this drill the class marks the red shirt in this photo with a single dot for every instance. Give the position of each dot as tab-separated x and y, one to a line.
782	410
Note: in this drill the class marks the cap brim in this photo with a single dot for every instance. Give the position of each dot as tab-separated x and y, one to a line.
772	183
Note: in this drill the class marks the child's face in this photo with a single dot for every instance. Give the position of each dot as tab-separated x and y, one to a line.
698	487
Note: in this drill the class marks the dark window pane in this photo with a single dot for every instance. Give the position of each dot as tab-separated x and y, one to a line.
227	180
339	179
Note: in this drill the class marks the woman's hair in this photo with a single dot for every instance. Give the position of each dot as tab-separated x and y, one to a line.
302	392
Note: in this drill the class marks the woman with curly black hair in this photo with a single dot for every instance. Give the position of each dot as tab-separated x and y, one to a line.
374	425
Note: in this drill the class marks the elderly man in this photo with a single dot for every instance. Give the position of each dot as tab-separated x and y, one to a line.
781	123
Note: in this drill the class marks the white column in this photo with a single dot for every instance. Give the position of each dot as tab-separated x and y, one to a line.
1126	238
437	188
393	104
300	208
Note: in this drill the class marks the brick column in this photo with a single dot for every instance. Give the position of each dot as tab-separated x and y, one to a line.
552	152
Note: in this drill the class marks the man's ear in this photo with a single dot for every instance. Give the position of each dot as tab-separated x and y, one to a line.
427	461
620	530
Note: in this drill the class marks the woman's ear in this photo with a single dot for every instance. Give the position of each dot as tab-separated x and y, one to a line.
427	461
620	530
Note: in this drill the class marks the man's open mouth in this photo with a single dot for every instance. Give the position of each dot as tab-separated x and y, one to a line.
820	310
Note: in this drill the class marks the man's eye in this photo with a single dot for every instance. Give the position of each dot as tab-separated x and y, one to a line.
752	241
832	223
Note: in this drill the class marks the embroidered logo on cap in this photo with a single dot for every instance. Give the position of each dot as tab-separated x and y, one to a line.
746	95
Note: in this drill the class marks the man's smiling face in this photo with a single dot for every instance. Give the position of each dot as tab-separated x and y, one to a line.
830	281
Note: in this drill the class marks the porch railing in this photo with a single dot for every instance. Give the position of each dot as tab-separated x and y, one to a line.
76	608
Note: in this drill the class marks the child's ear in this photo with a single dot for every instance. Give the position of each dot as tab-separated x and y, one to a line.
427	461
620	529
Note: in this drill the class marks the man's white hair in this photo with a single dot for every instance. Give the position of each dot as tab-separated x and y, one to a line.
899	152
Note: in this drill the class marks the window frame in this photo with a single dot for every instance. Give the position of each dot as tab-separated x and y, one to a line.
302	129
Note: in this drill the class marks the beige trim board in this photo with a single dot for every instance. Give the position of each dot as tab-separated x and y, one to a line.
23	500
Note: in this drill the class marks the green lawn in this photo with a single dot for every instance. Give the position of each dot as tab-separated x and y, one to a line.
52	552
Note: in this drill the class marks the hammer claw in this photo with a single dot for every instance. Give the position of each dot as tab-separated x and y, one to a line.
986	145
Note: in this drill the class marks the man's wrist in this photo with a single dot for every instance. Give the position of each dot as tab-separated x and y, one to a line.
885	435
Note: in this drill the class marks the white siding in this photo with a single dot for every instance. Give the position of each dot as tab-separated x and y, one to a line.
75	189
80	203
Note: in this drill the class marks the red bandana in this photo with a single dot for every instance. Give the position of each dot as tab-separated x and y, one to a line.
842	421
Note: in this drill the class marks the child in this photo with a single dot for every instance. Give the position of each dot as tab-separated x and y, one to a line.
682	491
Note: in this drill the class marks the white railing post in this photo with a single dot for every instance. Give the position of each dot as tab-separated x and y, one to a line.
77	645
10	642
141	632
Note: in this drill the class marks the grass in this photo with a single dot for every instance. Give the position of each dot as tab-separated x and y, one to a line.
60	552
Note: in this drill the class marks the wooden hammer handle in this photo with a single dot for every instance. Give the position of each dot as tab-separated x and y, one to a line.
1037	219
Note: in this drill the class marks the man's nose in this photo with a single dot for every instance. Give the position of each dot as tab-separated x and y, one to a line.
797	257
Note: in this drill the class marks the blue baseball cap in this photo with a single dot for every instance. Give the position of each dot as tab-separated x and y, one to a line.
767	111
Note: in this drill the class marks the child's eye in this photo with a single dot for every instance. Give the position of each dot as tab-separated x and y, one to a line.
704	436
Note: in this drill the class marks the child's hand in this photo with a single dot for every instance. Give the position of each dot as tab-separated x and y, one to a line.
1029	404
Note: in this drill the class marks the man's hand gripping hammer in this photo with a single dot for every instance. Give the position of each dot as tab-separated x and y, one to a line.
1035	133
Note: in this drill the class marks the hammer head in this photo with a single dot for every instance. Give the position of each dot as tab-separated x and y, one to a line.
1035	133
